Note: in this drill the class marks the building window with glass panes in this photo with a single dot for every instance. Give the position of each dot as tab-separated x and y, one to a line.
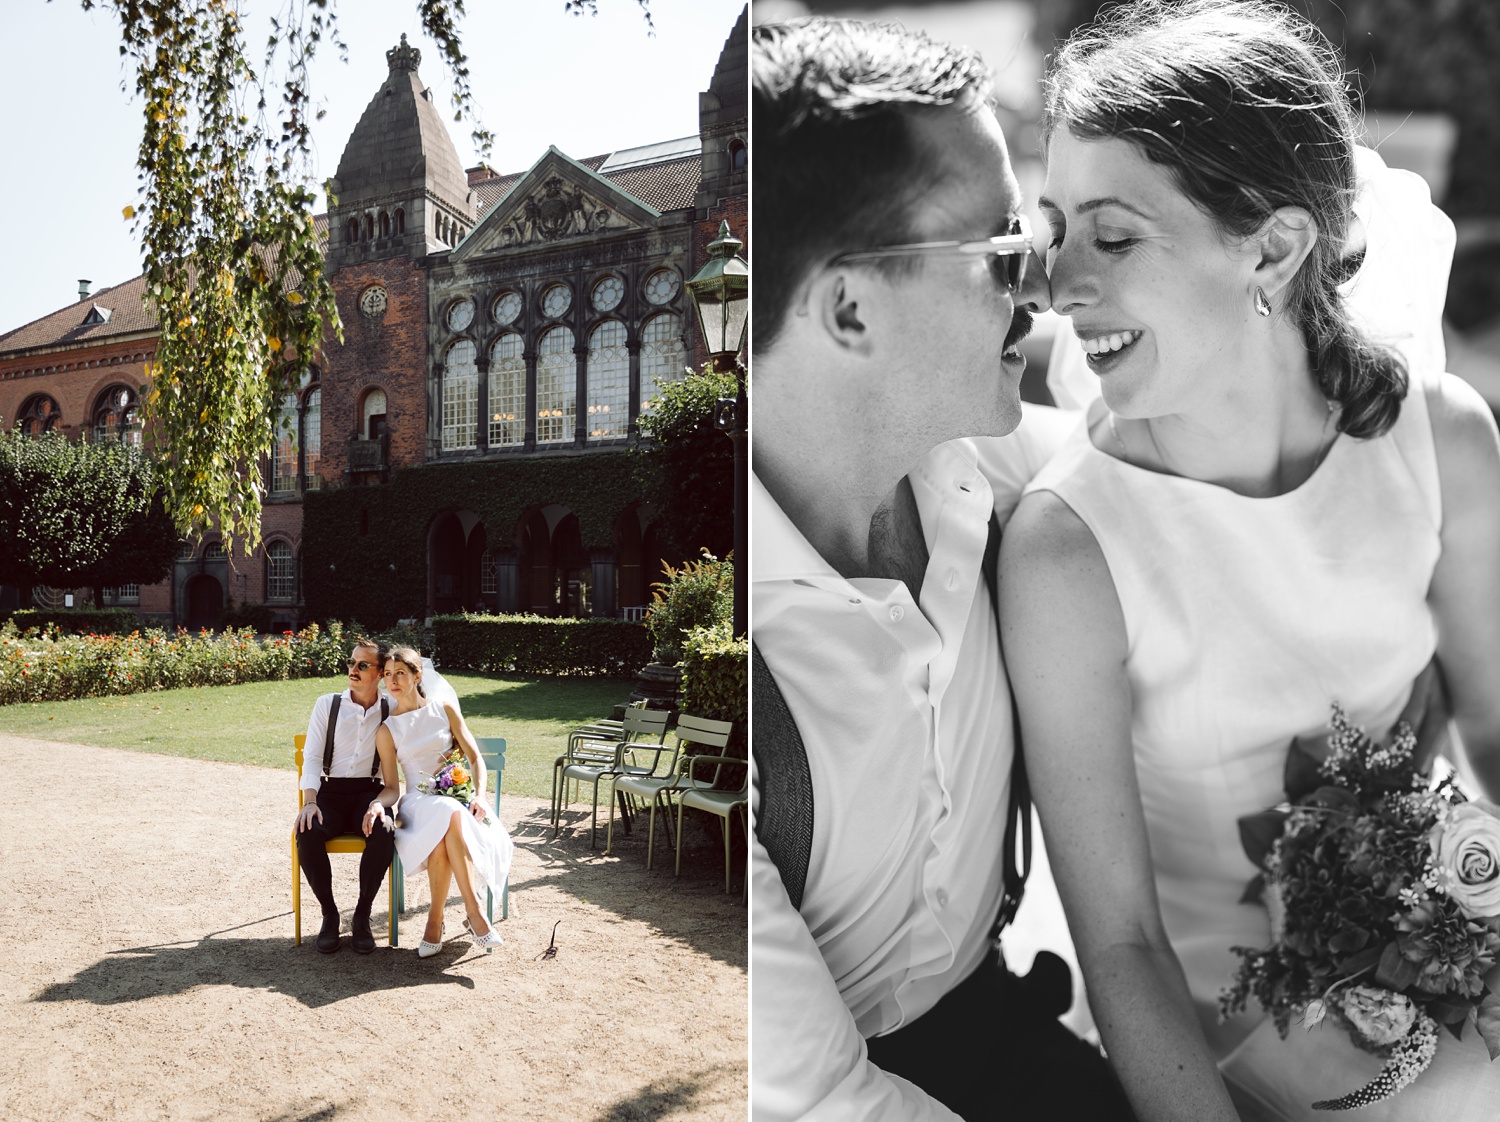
608	382
312	438
281	572
556	386
123	594
460	397
284	455
507	392
662	356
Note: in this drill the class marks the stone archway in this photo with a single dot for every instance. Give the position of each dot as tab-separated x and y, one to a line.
205	602
455	557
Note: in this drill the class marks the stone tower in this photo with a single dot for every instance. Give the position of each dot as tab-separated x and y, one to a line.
400	187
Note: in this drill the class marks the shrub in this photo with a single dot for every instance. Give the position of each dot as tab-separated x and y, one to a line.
526	644
77	621
256	617
48	666
700	594
715	679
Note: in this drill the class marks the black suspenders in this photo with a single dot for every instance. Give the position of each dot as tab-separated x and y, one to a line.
333	720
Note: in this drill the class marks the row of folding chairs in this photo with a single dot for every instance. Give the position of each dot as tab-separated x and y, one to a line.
632	757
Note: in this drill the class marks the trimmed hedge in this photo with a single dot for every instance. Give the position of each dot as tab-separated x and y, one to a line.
716	679
55	667
527	644
78	621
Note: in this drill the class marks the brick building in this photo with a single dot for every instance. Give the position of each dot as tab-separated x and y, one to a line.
465	445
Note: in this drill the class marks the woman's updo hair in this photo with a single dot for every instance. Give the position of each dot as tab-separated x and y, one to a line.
412	661
1245	103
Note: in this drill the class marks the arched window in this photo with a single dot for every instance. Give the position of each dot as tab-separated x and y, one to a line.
507	392
556	386
369	226
213	550
385	224
312	437
737	155
608	382
662	356
372	415
38	415
400	221
460	394
353	230
284	455
281	572
117	416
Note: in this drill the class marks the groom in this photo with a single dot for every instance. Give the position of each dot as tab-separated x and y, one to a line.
877	991
340	780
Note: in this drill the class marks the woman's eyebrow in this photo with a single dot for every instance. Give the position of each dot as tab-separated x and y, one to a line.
1095	204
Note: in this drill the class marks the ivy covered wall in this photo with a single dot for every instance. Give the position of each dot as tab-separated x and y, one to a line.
364	549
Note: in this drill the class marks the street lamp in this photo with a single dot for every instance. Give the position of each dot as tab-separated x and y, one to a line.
721	294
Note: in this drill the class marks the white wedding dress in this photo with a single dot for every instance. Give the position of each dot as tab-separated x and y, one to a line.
423	737
1245	618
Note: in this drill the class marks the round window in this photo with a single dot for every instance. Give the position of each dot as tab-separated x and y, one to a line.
661	286
461	314
508	307
557	300
608	294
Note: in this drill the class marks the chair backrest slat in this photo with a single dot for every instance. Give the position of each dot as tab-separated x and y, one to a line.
492	750
646	722
701	730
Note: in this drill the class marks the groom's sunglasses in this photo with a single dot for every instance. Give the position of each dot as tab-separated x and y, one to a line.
1008	253
360	664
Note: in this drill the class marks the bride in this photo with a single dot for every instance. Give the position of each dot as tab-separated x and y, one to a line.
1266	512
437	832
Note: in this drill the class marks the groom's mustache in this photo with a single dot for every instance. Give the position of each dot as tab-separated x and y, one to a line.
1020	327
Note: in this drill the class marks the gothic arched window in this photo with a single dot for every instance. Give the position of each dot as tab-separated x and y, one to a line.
117	416
662	356
385	224
353	230
507	392
400	221
608	382
284	453
38	415
460	397
556	387
312	437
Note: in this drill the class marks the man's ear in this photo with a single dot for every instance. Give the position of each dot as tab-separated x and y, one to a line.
835	302
1283	244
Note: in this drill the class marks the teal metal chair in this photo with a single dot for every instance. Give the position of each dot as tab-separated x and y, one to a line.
492	749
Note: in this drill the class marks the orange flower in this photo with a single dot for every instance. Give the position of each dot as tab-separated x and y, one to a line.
460	775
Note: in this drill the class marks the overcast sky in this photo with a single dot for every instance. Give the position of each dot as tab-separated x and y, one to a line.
540	76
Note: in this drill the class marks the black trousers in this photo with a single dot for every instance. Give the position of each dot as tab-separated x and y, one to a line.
993	1048
343	803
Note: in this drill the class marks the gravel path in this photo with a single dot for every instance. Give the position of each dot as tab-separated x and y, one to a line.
149	972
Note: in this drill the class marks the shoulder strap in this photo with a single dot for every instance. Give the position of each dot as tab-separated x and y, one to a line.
784	822
1018	814
333	719
385	711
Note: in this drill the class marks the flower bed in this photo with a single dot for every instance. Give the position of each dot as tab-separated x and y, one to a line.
47	665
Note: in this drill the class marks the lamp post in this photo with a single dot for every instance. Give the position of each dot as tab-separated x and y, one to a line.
721	295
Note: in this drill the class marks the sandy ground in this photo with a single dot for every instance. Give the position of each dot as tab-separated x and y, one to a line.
148	970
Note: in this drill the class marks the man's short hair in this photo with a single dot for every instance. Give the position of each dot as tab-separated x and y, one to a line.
381	648
836	167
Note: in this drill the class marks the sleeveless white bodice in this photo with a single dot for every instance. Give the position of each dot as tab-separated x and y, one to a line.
1246	617
423	737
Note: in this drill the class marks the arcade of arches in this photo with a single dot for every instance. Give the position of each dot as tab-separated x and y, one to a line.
545	569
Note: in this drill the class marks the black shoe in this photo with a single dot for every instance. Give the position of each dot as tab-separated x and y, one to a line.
361	936
328	935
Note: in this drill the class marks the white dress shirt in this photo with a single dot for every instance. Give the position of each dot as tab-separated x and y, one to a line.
353	741
905	714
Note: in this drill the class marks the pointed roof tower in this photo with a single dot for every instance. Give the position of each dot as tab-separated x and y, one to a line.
723	121
400	187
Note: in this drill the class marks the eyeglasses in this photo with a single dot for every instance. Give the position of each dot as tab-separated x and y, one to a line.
1009	252
360	664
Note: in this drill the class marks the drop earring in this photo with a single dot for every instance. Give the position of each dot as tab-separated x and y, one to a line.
1262	305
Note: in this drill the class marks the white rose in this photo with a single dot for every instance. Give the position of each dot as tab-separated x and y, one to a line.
1466	850
1381	1016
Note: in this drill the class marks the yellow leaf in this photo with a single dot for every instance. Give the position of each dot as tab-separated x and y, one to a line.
197	509
185	322
273	342
294	297
129	212
203	417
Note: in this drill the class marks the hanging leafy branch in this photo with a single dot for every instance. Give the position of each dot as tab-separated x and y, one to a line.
591	8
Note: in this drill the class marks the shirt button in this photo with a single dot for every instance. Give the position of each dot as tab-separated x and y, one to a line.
897	611
942	898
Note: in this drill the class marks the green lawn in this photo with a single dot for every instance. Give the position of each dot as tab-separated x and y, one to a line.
255	723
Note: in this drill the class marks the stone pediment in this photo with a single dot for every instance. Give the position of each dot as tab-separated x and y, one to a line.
558	200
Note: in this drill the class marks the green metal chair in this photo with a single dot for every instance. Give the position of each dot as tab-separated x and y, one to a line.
492	749
644	730
723	803
661	783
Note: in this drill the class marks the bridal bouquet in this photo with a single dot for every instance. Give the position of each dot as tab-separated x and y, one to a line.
1384	897
452	778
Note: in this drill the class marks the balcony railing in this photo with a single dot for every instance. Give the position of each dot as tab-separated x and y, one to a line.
368	455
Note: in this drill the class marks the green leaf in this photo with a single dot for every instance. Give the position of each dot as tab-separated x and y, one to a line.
1487	1021
1303	759
1259	832
1254	889
1358	963
1395	971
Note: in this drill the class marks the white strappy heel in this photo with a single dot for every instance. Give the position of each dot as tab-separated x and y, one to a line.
488	941
426	949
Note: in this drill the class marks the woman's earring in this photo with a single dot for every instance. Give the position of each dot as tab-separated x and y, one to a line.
1262	305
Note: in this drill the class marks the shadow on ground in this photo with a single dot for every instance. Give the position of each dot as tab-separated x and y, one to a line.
316	980
661	1099
524	699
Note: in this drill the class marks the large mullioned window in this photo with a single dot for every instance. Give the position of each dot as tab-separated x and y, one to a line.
460	397
608	382
556	387
507	392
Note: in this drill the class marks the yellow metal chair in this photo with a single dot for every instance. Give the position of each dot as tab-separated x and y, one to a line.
344	843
